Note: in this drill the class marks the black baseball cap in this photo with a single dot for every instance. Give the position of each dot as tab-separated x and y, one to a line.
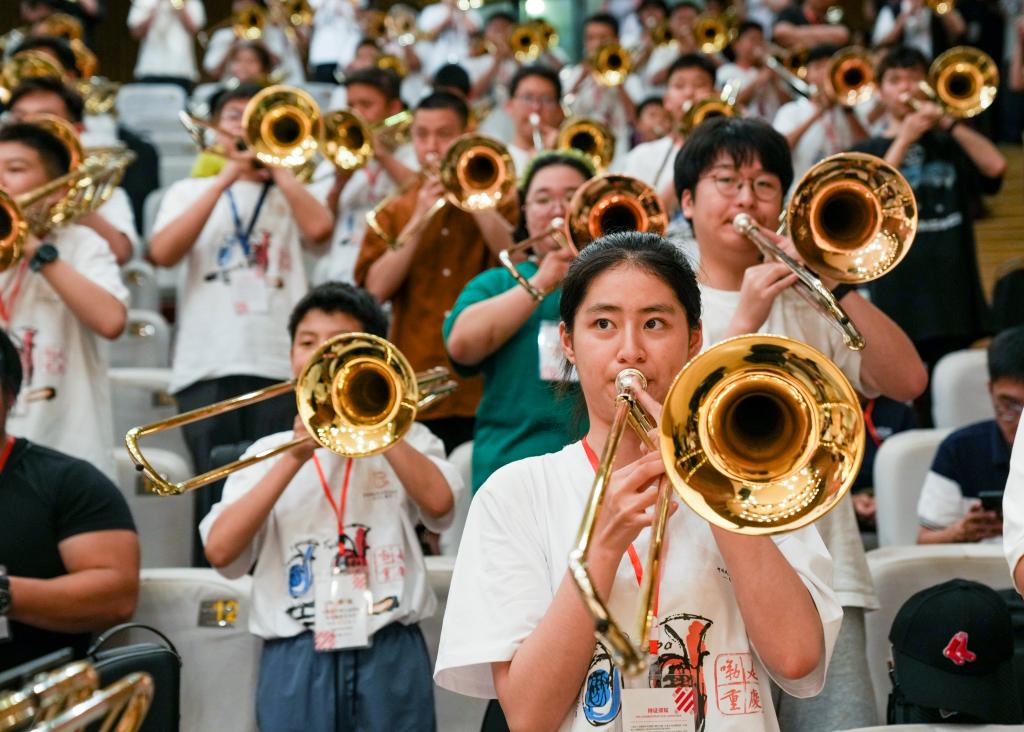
952	648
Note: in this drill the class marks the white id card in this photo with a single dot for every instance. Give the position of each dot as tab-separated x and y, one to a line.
342	609
249	291
549	349
656	710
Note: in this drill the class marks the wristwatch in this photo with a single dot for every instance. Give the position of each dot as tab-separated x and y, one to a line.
842	290
44	255
5	591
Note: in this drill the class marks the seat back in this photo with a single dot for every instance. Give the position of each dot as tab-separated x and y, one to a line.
148	106
320	91
140	278
960	389
899	572
140	397
207	618
145	343
462	459
901	465
164	523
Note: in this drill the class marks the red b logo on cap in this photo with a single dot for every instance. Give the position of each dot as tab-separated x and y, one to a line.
956	650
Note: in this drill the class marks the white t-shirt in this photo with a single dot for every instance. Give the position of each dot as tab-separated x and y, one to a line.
336	32
599	102
274	38
652	162
166	49
1013	508
942	503
452	45
917	31
364	190
830	134
514	555
791	316
233	306
58	352
765	102
299	539
119	214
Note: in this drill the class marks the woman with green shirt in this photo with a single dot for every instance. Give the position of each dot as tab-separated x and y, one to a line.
499	330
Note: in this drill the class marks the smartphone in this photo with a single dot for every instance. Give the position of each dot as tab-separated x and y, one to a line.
992	501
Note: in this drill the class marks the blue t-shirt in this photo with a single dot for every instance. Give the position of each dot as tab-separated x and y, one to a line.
520	414
975	457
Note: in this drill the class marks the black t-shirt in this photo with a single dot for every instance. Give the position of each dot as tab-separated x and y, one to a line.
45	498
793	14
935	292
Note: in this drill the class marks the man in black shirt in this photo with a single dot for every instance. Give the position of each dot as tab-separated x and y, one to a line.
68	547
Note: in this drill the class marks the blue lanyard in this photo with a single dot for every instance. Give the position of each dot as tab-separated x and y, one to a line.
243	235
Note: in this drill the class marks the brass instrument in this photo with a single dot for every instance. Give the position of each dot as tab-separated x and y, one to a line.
850	79
852	218
295	13
715	105
526	42
121	706
477	173
357	396
713	33
400	25
247	25
611	65
590	137
60	25
26	65
794	79
393	63
47	696
963	80
374	24
759	435
348	139
99	94
547	32
86	62
941	7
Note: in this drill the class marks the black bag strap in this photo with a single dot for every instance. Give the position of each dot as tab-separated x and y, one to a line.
123	627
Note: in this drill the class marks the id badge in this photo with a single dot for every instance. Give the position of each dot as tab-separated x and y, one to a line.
657	710
342	609
249	291
549	349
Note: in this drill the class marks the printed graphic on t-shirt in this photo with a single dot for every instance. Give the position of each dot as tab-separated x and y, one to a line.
934	184
680	665
42	365
235	254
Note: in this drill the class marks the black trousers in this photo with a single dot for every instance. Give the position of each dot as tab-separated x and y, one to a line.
325	73
241	425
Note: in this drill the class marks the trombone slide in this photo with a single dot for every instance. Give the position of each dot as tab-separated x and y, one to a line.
557	232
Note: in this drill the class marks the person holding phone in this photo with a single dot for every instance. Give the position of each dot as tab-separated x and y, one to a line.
962	495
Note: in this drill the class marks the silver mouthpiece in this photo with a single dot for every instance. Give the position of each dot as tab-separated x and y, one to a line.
630	381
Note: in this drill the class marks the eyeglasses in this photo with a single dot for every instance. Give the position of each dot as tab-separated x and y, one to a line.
544	200
1007	411
765	187
531	100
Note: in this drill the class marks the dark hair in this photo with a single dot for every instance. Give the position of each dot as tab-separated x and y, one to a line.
438	99
383	80
453	77
650	252
659	4
364	41
691	4
57	46
261	51
821	51
51	150
744	139
49	85
693	61
604	19
1006	355
569	158
10	367
341	297
901	57
647	103
539	70
242	91
500	15
748	25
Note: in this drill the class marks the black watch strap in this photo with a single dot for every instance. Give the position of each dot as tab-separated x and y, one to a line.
842	290
5	592
45	254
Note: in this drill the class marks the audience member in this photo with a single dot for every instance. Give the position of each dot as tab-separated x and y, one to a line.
166	33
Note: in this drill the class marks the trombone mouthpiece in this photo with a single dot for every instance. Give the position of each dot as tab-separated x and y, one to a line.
743	223
629	381
557	223
534	119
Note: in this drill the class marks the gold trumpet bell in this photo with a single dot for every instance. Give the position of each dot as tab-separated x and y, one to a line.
765	434
477	173
612	64
611	203
590	137
347	141
965	80
282	126
851	77
852	217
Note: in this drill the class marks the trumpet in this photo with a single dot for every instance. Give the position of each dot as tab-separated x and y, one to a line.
963	80
348	139
611	65
590	137
357	396
759	435
852	218
477	173
602	205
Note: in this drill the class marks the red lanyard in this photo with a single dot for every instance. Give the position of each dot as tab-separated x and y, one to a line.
339	508
634	558
870	423
371	179
11	292
6	453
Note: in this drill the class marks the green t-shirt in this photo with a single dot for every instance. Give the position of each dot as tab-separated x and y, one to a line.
520	414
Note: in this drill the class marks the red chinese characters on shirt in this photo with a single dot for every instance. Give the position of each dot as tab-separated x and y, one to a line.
737	688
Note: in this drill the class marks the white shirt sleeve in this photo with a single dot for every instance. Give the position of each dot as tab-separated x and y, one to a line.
178	199
217	49
118	213
430	445
788	118
883	25
139	12
90	255
1013	509
941	503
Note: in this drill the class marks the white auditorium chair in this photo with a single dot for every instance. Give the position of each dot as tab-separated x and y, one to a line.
145	107
902	571
462	459
320	91
202	94
901	465
139	277
454	711
145	342
176	166
164	523
207	618
140	396
960	389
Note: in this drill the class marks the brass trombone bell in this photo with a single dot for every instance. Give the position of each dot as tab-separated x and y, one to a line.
393	63
762	434
347	140
611	64
400	25
610	203
712	33
851	77
526	42
590	137
357	396
248	23
60	25
711	106
26	65
282	126
964	80
941	7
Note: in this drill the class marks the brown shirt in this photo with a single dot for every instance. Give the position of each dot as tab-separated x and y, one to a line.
451	252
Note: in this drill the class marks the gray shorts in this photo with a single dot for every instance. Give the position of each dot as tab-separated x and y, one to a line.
387	687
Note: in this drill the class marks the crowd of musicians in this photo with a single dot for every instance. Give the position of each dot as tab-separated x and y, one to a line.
564	236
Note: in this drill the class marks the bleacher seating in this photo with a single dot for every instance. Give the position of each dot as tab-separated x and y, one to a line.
140	278
145	343
901	465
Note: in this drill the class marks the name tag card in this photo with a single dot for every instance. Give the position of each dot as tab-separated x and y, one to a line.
655	710
342	605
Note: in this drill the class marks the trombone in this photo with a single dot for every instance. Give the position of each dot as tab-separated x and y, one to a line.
600	206
852	218
759	435
590	137
849	80
963	80
611	65
713	33
348	138
26	65
714	105
357	396
477	173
